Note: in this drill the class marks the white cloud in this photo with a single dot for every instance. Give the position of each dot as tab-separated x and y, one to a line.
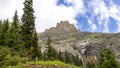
93	27
8	8
101	9
78	6
104	12
106	27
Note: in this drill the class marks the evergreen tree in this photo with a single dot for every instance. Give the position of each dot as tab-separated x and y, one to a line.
0	28
107	59
60	56
77	61
67	57
50	52
13	38
15	22
28	28
36	51
4	30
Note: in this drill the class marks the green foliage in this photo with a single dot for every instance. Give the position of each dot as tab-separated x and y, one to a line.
51	63
15	23
50	53
71	59
118	63
28	31
3	32
107	59
13	38
77	61
90	65
28	24
36	53
8	57
18	41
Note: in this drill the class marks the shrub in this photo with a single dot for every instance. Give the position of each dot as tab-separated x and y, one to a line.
10	58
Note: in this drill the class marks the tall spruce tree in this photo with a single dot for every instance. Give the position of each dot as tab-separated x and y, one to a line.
36	53
28	27
14	38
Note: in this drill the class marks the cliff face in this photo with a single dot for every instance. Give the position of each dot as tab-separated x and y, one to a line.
85	44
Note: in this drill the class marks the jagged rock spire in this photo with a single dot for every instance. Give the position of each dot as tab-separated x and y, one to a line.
64	25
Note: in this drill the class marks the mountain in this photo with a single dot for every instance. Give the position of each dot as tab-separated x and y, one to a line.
66	37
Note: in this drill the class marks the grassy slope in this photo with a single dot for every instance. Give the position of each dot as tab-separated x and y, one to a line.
44	64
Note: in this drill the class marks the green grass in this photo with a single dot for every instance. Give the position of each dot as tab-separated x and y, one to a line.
45	63
20	65
51	63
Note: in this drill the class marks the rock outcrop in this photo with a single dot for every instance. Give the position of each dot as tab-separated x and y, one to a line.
63	25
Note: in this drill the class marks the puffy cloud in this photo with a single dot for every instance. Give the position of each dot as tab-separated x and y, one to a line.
104	12
78	6
101	9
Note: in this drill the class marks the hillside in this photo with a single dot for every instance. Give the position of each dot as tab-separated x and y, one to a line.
66	36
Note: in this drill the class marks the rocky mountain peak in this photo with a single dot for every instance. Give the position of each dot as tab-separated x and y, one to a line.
64	25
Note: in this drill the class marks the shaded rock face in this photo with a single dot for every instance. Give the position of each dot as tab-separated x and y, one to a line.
85	44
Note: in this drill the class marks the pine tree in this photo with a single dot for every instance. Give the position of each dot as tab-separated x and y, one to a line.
0	28
15	22
36	51
107	59
77	61
49	49
13	38
28	27
67	57
51	53
60	56
4	30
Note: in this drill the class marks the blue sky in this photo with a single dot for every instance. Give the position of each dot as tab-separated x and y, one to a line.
87	15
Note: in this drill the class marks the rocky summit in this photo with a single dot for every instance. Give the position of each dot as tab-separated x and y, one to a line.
66	37
63	25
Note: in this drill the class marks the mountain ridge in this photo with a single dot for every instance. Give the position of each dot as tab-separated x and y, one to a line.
85	44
